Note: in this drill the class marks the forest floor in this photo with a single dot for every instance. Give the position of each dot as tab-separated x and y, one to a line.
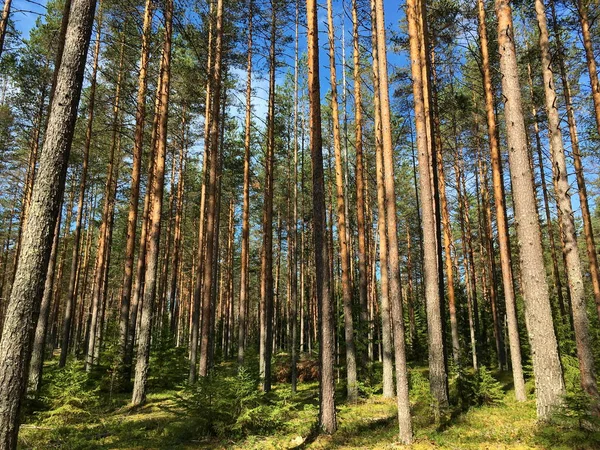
74	412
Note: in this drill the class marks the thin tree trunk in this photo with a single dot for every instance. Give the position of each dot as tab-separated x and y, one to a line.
245	258
157	188
549	382
386	320
266	271
134	195
351	381
582	10
211	190
395	293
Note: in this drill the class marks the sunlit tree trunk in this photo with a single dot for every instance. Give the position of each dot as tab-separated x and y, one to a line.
23	307
559	169
549	382
501	220
346	281
437	370
211	189
327	414
157	188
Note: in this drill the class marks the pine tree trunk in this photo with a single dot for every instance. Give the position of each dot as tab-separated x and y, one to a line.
395	293
71	292
211	190
351	380
581	184
105	235
134	193
549	382
4	23
156	199
386	320
582	10
39	340
327	414
23	307
266	271
437	371
245	258
559	168
501	220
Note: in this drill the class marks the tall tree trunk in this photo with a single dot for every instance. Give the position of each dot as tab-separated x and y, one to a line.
559	168
156	199
555	270
404	419
105	234
581	184
245	258
176	262
386	319
23	307
351	381
211	189
71	292
549	382
501	220
327	415
437	370
134	194
360	182
266	270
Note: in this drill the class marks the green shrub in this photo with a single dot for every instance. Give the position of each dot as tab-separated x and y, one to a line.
477	388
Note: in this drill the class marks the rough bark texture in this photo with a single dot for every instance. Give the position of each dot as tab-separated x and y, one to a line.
144	336
498	182
351	381
23	307
563	200
386	323
404	419
437	370
327	415
134	193
544	348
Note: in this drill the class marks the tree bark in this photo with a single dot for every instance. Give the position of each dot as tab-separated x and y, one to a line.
26	293
211	189
351	380
559	169
437	370
156	200
549	382
501	220
134	194
327	415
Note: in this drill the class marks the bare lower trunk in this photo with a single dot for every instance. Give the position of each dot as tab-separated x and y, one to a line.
23	308
544	348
